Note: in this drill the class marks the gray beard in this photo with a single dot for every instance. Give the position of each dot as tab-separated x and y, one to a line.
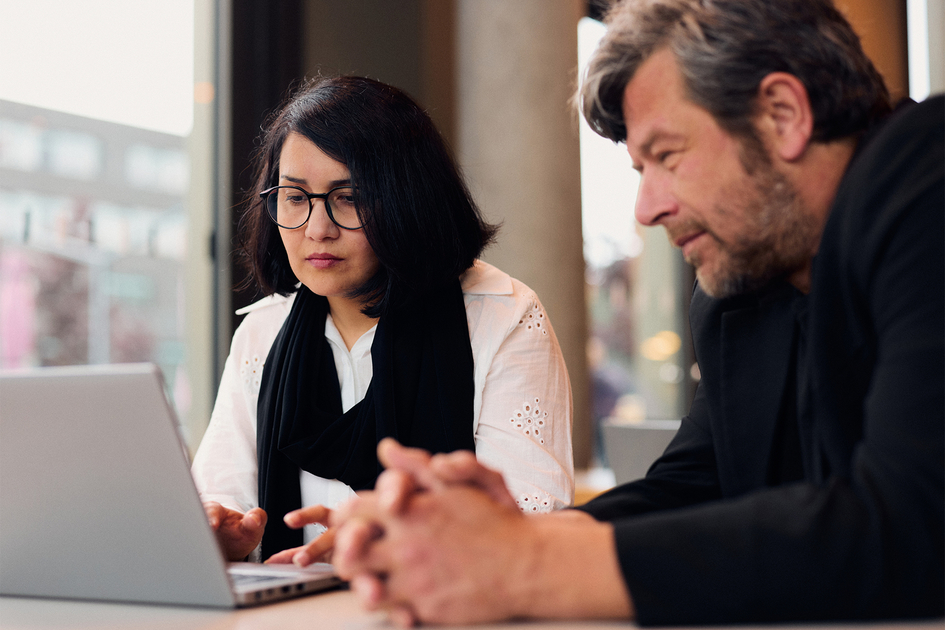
785	236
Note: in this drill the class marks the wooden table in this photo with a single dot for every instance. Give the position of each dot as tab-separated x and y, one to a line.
335	610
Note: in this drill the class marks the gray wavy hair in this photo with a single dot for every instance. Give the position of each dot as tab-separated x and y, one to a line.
724	48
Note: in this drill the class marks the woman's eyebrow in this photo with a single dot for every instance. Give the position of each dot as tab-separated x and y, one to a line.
301	180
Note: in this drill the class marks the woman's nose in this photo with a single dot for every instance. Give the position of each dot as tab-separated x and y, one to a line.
319	225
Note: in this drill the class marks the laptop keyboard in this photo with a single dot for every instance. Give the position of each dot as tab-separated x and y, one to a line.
253	578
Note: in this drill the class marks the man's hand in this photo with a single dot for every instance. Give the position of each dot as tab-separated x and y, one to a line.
441	541
437	556
237	533
421	471
319	550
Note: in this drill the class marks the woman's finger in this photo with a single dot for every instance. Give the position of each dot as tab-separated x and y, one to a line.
296	519
319	550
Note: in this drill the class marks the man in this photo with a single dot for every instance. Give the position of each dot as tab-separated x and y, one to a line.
808	480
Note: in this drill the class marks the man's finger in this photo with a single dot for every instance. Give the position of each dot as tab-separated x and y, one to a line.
413	461
369	589
352	547
463	467
402	616
392	453
393	490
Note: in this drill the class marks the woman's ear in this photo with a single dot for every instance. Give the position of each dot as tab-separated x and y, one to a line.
783	115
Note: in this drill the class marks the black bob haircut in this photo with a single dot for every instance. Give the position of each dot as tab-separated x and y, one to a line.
417	213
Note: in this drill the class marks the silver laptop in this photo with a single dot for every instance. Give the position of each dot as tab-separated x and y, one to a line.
632	448
97	501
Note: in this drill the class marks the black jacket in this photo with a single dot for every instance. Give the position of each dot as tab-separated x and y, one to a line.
707	537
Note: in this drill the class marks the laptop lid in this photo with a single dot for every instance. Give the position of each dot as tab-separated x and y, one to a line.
631	448
96	497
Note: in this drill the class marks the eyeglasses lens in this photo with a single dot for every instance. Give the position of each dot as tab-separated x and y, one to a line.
343	210
289	207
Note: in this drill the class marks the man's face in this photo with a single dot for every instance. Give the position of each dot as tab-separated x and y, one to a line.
739	227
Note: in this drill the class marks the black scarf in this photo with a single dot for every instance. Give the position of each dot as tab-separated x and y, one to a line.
421	394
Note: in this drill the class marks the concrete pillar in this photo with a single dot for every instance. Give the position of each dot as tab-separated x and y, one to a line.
517	142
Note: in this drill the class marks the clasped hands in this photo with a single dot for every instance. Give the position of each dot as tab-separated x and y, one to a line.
441	540
423	545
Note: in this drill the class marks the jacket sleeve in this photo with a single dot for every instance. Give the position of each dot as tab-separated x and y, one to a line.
684	475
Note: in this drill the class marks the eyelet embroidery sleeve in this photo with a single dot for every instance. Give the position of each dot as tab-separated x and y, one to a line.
531	420
224	467
534	317
251	368
524	428
535	503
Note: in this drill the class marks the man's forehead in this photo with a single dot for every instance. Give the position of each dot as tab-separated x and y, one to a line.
652	99
657	107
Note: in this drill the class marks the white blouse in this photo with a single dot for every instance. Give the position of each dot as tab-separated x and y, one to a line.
521	409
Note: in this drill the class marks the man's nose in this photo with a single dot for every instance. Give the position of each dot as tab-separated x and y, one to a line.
654	200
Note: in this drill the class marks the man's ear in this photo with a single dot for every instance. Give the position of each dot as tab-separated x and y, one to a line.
783	115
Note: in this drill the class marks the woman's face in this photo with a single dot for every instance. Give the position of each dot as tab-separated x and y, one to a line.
328	260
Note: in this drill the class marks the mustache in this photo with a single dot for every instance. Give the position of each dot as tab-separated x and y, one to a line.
684	228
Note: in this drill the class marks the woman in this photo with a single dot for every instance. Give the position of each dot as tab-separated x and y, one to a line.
379	322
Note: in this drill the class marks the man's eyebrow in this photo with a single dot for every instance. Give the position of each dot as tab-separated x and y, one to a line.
643	151
655	135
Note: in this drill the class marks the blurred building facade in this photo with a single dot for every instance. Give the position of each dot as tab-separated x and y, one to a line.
93	233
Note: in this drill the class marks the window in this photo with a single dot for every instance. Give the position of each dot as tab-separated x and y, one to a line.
95	116
638	286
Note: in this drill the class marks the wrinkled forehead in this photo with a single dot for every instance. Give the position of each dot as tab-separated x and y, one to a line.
654	100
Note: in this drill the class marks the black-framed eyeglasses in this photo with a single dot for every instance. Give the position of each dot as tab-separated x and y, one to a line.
290	207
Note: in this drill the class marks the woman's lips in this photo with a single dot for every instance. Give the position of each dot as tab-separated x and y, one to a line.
323	261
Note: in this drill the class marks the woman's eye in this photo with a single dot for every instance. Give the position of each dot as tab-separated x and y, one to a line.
344	199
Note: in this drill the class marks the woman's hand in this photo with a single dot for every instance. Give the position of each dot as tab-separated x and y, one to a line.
237	533
319	550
